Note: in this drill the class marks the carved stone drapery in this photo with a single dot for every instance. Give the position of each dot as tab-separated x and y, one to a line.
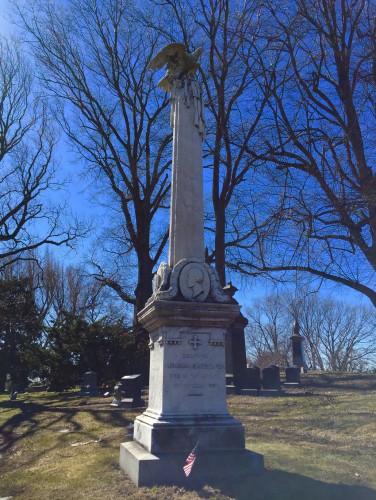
192	97
169	285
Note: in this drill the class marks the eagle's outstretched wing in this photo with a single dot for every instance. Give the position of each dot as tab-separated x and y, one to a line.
174	51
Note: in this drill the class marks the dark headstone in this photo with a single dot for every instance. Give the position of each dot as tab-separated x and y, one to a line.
271	378
89	385
236	358
131	391
292	376
252	377
252	381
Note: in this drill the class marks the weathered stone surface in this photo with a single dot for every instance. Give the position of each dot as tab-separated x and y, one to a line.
189	279
187	205
146	469
175	435
187	393
165	313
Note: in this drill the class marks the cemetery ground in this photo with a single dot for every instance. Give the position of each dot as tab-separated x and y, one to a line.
318	442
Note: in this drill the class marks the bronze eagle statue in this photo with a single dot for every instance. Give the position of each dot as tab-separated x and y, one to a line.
178	62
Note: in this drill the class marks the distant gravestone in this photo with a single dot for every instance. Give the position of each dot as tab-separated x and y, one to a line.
13	395
252	381
89	385
8	382
131	391
117	395
13	389
292	376
127	392
236	358
271	379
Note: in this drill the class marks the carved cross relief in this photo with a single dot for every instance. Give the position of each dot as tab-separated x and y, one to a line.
194	342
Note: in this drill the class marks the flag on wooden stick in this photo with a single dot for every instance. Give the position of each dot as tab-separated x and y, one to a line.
190	461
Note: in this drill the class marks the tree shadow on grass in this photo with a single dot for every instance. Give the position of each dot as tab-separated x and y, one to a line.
34	417
359	382
280	485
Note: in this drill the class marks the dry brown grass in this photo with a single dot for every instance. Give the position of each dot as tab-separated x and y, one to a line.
319	442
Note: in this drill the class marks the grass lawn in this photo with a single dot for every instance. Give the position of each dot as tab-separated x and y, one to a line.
318	442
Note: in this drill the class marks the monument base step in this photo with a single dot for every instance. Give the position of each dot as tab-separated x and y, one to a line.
146	469
129	403
180	435
249	392
264	392
291	385
230	389
272	392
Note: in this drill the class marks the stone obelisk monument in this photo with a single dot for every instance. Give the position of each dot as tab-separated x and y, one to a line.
187	318
297	340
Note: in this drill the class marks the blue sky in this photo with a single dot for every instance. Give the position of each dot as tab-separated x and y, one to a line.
78	197
4	25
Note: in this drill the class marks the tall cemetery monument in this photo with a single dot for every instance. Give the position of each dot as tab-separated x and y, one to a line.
187	318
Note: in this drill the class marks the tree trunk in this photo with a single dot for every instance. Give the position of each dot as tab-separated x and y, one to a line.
144	287
220	236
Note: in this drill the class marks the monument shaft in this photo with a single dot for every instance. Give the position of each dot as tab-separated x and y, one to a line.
187	210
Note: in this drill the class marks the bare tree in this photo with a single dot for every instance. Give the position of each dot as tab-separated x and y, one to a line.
320	127
27	169
290	109
59	289
267	333
72	289
338	336
229	31
93	57
234	108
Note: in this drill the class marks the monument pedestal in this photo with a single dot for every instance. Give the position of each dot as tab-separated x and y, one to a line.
146	469
187	398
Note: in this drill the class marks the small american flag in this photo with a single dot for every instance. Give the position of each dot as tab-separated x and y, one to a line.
190	461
